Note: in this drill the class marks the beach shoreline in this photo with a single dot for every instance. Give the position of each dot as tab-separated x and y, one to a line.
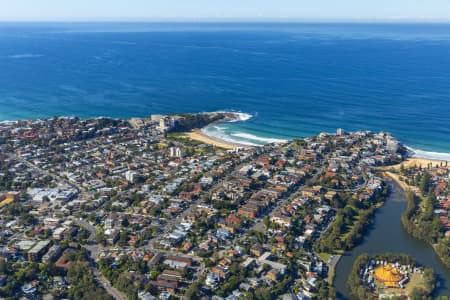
420	158
410	162
419	162
405	187
198	135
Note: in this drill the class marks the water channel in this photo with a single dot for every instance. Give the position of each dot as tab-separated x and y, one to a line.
388	235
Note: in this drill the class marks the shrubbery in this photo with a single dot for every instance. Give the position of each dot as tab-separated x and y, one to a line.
358	290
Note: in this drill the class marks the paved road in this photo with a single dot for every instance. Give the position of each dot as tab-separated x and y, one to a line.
88	226
172	223
333	260
107	286
94	250
112	291
45	172
259	224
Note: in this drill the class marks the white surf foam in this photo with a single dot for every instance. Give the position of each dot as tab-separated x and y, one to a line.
428	154
241	116
220	127
221	135
218	132
238	141
24	55
253	137
8	122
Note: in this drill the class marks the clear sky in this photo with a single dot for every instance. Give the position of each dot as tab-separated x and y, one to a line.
32	10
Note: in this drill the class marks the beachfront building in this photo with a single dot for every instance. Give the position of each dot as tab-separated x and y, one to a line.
176	152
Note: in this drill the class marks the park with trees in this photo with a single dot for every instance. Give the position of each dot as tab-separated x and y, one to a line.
420	286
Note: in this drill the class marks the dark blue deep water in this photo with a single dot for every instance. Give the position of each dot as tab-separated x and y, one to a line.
295	80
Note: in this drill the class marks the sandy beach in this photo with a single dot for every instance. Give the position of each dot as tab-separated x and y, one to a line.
416	161
397	179
197	135
410	162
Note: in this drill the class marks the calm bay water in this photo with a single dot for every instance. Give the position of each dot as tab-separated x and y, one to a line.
295	80
388	235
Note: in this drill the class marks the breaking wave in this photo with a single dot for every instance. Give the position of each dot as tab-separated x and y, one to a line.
253	137
223	136
242	117
428	154
24	55
232	135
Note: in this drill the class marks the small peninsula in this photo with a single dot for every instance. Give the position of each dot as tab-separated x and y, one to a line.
387	276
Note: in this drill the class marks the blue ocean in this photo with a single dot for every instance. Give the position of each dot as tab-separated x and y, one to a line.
291	80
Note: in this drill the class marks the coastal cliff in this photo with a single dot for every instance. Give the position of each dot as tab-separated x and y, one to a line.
188	122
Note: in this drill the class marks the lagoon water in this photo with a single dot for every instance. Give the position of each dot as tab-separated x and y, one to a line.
295	80
387	235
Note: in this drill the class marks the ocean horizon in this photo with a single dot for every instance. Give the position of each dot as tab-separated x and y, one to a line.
290	80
